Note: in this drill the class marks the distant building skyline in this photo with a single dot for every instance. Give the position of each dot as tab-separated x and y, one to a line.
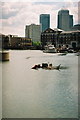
65	20
16	15
44	21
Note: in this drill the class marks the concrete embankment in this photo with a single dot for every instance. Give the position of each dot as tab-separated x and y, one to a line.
4	55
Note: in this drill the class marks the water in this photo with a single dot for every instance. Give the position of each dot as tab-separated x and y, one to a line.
29	93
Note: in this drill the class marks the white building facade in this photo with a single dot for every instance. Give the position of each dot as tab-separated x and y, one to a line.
33	31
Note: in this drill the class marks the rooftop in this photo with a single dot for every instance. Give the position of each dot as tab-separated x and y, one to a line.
75	31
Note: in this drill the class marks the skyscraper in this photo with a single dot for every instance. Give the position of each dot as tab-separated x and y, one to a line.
45	21
65	21
33	31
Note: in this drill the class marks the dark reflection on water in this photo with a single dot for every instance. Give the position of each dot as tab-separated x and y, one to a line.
29	93
64	67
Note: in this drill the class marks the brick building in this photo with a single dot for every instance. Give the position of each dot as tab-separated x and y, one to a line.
49	36
20	42
58	38
70	39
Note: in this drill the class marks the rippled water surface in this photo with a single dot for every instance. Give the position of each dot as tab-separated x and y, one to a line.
29	93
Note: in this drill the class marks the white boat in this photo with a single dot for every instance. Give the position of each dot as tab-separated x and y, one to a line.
49	49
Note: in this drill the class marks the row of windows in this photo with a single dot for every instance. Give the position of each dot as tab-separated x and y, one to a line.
47	34
64	41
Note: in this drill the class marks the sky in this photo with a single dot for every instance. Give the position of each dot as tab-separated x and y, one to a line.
16	14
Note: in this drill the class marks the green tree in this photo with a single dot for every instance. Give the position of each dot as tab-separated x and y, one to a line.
37	44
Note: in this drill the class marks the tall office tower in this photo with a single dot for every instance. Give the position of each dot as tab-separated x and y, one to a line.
45	21
79	12
33	31
65	21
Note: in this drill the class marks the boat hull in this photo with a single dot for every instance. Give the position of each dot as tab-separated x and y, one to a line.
49	51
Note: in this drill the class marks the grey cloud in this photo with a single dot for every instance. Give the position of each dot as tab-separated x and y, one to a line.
8	10
56	5
8	15
11	9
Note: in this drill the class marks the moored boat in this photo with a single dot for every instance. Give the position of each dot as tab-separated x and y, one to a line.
62	54
49	49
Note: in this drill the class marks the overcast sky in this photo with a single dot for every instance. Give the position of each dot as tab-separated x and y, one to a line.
16	14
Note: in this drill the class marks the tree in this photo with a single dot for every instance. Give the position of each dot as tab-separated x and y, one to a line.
37	45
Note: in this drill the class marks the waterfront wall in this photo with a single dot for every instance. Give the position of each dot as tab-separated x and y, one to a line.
4	55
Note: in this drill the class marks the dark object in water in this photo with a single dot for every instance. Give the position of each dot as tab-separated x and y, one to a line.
61	54
50	67
44	65
58	67
36	66
27	57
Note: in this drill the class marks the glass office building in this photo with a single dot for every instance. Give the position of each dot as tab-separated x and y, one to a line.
65	21
45	21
